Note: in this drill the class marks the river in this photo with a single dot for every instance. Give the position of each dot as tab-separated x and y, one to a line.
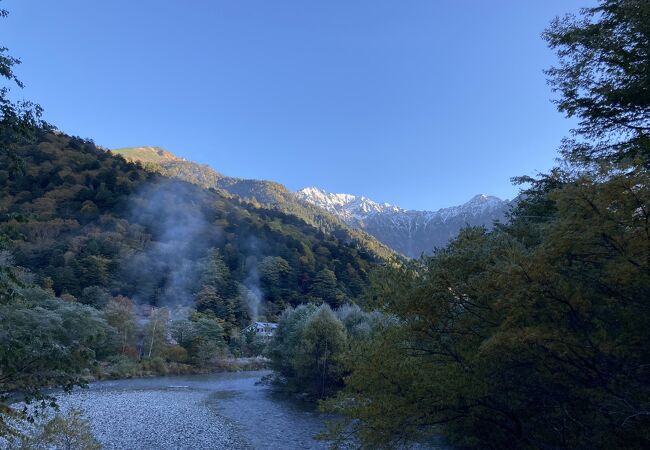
217	411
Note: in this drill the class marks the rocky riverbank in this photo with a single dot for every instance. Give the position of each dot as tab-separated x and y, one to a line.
215	411
124	367
162	418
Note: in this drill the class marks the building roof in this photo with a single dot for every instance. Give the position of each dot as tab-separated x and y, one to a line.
257	325
266	324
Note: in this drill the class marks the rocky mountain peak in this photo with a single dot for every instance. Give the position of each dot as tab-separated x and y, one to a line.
410	232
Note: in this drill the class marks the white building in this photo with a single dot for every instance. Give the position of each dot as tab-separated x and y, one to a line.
262	329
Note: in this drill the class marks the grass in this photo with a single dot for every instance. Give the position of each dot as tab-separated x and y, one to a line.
146	154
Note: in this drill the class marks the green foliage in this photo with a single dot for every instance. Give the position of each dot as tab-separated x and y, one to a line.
358	323
123	366
202	338
309	344
93	224
534	335
257	193
95	296
44	341
120	314
154	343
253	344
324	288
603	79
288	338
65	431
317	362
184	332
155	365
497	342
41	341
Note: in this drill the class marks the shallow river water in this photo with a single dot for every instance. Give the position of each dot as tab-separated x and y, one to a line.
218	411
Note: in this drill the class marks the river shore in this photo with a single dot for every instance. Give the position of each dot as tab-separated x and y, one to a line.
230	410
126	368
163	418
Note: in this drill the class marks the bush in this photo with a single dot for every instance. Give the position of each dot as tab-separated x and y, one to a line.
176	353
307	348
66	431
123	367
155	365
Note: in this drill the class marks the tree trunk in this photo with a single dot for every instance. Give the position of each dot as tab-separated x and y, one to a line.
153	335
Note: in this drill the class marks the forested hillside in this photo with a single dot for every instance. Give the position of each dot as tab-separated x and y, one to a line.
79	217
107	269
261	192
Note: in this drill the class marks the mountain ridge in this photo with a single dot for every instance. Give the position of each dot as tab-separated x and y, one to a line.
381	227
410	232
263	193
147	154
365	205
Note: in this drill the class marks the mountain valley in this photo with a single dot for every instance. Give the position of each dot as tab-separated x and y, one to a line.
408	232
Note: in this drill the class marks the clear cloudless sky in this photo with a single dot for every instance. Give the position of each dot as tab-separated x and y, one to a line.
420	103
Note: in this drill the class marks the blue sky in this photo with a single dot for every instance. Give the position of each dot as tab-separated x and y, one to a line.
417	103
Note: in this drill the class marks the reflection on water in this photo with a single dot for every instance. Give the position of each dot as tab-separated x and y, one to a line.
269	420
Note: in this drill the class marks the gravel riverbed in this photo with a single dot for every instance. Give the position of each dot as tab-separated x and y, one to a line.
217	411
162	418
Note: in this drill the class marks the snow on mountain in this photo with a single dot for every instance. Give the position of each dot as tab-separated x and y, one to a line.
346	206
409	232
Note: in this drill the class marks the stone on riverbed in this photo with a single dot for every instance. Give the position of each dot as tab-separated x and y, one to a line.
153	419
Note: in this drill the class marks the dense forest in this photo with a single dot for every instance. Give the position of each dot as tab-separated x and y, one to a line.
79	217
90	228
267	194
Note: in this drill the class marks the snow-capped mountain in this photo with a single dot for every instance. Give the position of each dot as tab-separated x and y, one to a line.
346	206
409	232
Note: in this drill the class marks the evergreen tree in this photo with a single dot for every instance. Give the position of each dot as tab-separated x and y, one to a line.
603	80
325	288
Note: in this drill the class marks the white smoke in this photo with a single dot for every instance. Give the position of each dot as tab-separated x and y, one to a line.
166	272
252	292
